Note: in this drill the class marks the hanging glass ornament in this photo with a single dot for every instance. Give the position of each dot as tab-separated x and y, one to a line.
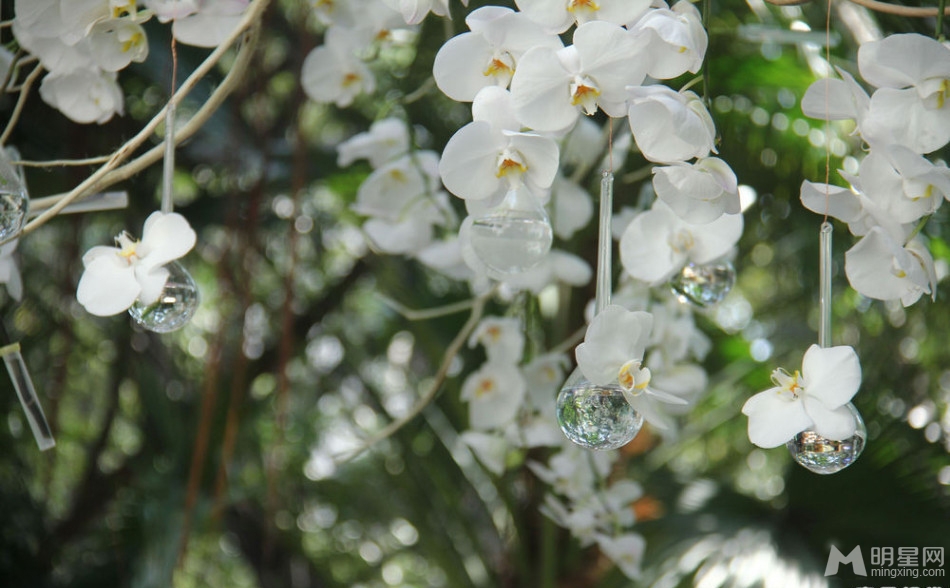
174	307
26	393
596	417
179	298
704	285
826	456
592	416
14	200
514	236
809	449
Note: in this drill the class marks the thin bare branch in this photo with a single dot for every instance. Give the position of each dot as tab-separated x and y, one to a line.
478	308
103	178
21	101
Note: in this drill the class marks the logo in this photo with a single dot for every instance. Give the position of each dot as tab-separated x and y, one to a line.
835	558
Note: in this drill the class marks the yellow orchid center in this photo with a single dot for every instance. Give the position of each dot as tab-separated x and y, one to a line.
507	166
942	93
681	241
501	66
584	93
789	386
350	79
127	246
582	6
486	386
634	378
132	42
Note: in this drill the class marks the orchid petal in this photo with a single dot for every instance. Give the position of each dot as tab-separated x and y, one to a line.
774	420
831	374
836	424
165	237
108	286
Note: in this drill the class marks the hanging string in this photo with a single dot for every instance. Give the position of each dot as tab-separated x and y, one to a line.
168	169
827	112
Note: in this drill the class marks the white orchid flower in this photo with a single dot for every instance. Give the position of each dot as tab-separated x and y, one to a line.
557	16
414	11
391	189
84	95
815	398
551	88
445	257
557	267
572	207
544	375
334	73
834	99
385	140
488	156
677	40
10	270
487	55
700	192
851	206
626	551
412	230
502	338
490	449
169	10
612	354
903	185
912	74
880	268
657	243
117	42
115	277
211	24
670	126
495	393
573	472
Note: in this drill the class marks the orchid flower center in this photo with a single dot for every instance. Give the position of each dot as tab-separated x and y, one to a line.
510	165
501	67
681	241
896	269
584	93
582	10
790	386
486	386
634	378
127	247
350	79
133	41
120	9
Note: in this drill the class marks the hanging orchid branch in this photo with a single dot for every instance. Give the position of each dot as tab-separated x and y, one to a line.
111	172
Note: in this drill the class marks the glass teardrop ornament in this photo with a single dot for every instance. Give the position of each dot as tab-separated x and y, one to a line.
175	306
514	236
596	417
825	456
14	201
704	285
